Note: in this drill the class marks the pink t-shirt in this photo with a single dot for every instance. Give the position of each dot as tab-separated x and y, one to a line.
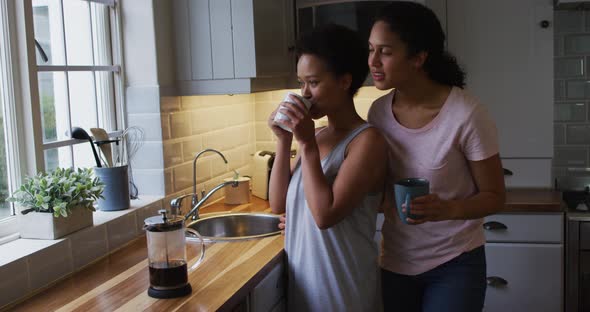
462	131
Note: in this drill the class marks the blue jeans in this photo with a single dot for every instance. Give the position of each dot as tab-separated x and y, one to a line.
458	286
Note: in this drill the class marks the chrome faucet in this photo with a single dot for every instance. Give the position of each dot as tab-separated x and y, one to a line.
195	198
195	211
176	204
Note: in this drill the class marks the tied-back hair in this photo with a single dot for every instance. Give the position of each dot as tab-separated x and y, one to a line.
341	49
419	28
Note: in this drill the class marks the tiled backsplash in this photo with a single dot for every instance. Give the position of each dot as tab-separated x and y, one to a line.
193	123
572	90
236	125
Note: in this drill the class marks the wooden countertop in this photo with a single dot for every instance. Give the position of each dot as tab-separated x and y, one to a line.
119	282
533	200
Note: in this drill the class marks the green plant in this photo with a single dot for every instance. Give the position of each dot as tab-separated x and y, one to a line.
59	191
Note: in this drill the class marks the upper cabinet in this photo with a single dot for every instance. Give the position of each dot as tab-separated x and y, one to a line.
233	46
506	48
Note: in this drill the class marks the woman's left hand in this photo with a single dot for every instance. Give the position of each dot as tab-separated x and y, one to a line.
430	208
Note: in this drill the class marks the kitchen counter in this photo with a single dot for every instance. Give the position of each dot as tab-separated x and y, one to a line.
119	281
533	200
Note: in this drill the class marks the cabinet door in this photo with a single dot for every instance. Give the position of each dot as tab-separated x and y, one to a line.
274	24
508	57
269	291
533	274
221	39
194	36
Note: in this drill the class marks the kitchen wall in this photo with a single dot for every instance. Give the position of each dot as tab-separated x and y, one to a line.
572	91
193	123
233	124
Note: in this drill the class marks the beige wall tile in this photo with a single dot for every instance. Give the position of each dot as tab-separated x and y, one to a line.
241	135
241	113
266	146
221	100
180	125
191	148
191	102
263	110
262	96
183	175
218	167
263	133
172	154
219	140
209	119
168	181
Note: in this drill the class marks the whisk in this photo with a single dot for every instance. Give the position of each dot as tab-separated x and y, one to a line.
131	142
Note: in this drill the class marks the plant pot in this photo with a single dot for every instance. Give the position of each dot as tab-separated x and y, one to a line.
43	225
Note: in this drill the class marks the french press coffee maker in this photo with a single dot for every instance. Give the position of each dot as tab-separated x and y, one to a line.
167	255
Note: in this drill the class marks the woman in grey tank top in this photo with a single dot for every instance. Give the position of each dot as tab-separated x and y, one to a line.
332	193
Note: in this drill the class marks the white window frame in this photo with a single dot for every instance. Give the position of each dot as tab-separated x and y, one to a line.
113	119
22	69
10	88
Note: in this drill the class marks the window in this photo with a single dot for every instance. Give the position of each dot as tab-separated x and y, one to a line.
78	74
78	71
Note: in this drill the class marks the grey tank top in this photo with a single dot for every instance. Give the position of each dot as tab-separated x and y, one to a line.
333	269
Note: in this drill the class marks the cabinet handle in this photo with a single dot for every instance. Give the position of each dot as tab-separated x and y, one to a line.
507	172
494	225
496	281
544	24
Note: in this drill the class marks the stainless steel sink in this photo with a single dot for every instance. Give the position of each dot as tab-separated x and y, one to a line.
236	226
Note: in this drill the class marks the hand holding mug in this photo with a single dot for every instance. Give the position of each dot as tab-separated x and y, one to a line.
429	208
294	116
405	191
279	132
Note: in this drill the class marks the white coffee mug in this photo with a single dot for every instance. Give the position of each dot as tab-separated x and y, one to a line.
281	116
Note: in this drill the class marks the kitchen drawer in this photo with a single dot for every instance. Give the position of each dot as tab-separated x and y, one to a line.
585	235
524	277
533	228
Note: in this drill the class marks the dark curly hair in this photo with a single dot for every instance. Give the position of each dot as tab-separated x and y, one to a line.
341	49
419	28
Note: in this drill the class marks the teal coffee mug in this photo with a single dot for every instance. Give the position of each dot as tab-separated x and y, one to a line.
405	191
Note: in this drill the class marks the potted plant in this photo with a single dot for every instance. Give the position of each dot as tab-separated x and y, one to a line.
57	203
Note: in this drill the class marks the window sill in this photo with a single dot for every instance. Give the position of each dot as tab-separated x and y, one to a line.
42	262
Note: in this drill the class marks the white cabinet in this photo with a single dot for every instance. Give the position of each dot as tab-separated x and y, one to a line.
524	255
506	48
233	46
269	294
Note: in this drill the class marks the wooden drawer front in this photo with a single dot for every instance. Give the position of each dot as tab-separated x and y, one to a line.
585	235
534	228
533	275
